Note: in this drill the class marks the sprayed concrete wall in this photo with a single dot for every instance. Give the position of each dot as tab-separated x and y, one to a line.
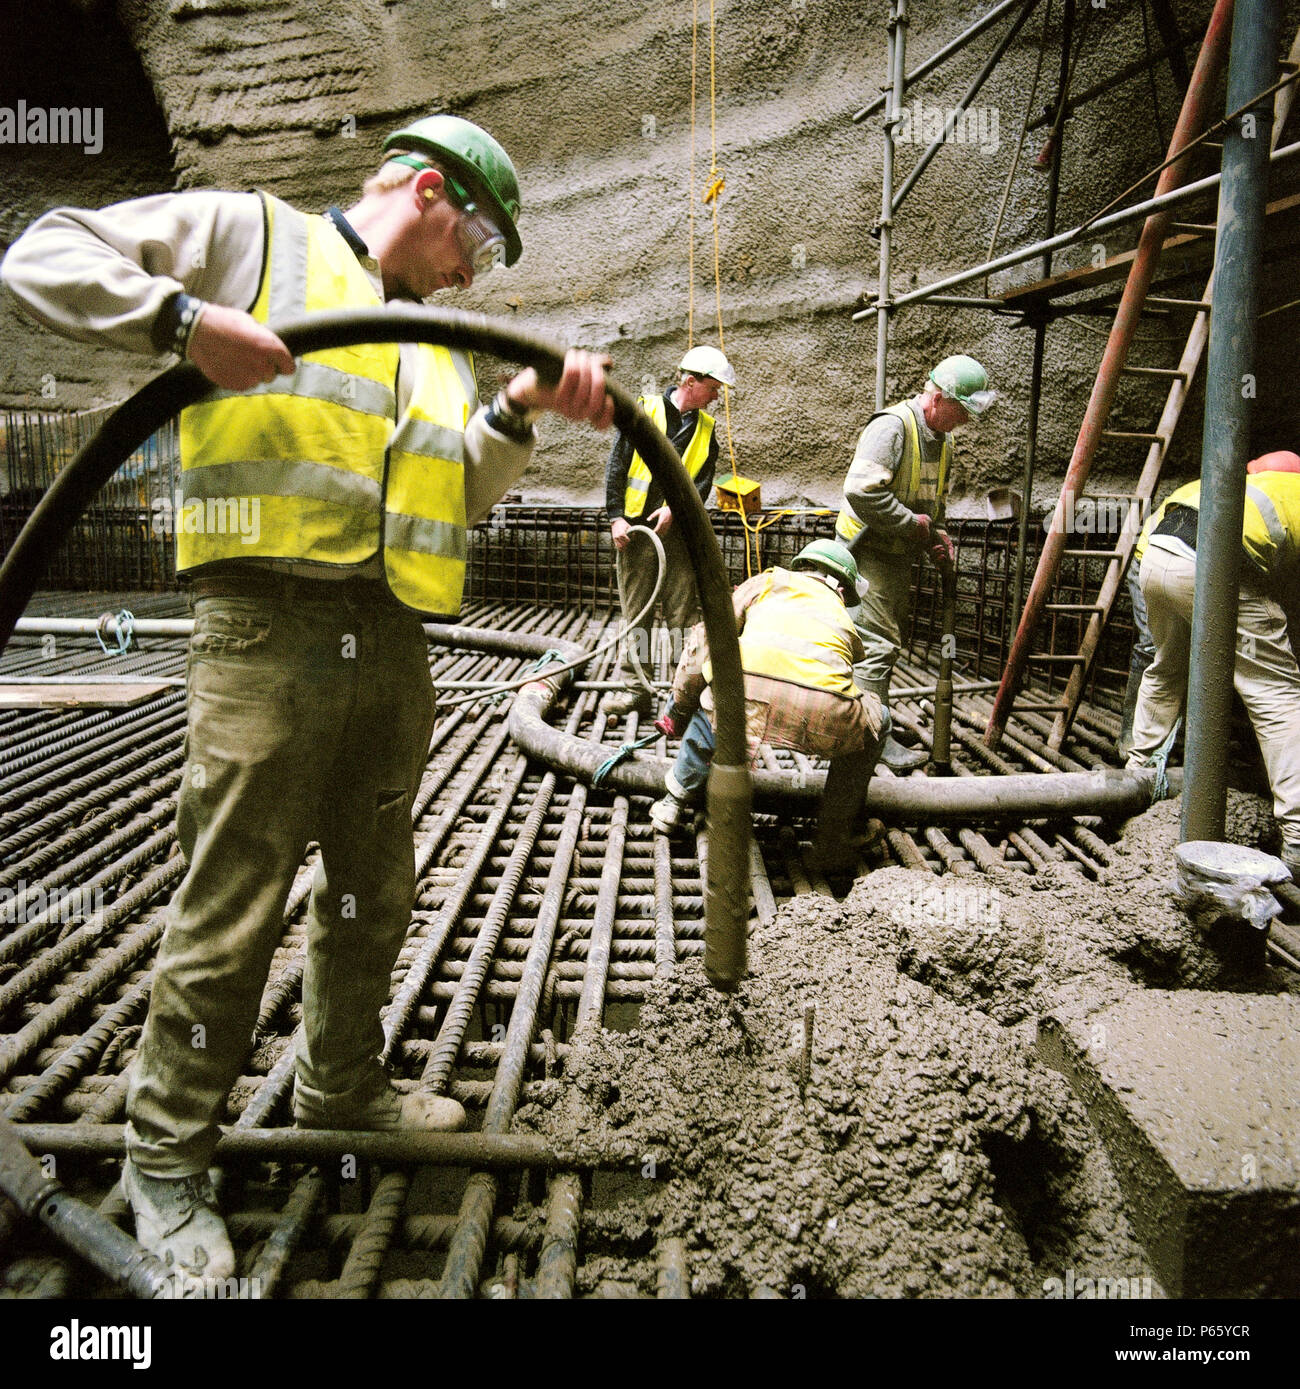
595	106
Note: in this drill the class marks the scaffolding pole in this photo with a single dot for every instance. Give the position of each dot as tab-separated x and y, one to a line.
1225	445
894	79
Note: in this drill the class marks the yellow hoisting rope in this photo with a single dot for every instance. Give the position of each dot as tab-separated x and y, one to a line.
711	195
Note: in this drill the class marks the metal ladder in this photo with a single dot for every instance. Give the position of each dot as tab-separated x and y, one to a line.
1136	503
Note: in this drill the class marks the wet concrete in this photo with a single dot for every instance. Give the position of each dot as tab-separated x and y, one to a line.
932	1151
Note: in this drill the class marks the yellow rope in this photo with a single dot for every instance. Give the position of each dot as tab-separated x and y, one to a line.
711	196
753	534
690	250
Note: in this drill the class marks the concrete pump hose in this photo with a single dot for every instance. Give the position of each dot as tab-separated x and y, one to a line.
729	789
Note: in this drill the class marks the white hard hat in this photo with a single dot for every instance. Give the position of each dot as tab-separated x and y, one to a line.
708	361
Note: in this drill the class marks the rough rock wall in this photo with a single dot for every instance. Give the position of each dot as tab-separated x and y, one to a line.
595	107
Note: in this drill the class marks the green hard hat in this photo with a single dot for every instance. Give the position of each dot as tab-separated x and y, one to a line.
469	153
963	379
834	559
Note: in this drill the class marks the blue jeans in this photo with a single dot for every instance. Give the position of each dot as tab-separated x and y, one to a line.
1144	644
695	756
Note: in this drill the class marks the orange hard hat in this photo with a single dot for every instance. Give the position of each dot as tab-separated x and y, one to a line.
1283	461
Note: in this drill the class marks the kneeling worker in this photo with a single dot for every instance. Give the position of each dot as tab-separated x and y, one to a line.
798	647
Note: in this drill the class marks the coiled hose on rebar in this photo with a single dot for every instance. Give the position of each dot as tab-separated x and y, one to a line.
729	790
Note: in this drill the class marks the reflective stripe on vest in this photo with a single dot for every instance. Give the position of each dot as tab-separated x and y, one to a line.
1270	523
315	461
906	485
798	631
695	457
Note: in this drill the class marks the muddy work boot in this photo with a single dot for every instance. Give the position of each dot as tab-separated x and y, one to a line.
385	1109
176	1220
841	837
620	702
901	760
671	814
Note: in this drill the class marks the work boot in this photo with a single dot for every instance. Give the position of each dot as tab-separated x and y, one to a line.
176	1220
901	760
384	1110
671	814
639	702
834	856
840	837
1137	665
893	754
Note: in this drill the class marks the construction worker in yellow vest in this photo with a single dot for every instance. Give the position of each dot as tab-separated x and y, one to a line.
324	506
1265	673
1144	647
632	499
892	506
798	647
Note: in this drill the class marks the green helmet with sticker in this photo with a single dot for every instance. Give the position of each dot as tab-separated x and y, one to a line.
469	155
830	557
962	379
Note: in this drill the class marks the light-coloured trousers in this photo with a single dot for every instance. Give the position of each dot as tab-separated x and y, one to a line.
308	720
882	615
1265	675
637	567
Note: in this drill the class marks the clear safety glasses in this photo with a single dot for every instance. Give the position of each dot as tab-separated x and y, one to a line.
480	241
480	238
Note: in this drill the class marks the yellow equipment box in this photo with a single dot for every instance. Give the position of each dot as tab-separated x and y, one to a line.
736	493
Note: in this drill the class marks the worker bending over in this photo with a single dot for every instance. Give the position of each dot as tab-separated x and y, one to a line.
310	705
892	506
633	498
798	647
1264	672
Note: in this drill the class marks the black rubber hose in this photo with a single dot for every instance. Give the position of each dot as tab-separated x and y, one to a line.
729	791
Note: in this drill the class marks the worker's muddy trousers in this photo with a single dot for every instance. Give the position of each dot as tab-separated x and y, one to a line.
1264	673
882	615
637	568
310	713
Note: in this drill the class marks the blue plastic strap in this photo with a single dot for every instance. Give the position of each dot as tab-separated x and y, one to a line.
548	658
1160	761
624	752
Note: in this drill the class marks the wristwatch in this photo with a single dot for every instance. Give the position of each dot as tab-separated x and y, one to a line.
507	418
175	322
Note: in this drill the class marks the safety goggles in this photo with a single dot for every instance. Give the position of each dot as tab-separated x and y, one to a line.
480	239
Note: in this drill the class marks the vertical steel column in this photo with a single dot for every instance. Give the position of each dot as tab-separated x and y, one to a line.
894	78
1225	443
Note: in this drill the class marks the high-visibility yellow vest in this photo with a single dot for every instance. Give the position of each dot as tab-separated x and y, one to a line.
316	465
798	630
695	457
1270	523
907	486
1189	494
